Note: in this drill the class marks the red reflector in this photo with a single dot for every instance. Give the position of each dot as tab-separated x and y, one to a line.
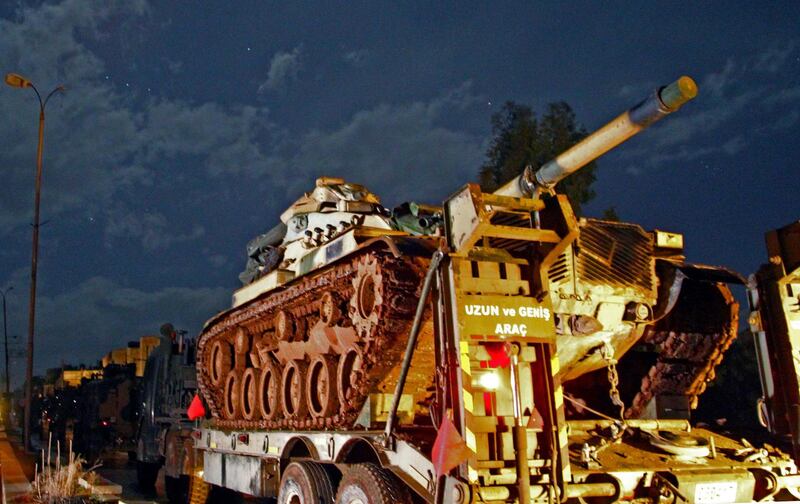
197	434
196	409
243	438
498	357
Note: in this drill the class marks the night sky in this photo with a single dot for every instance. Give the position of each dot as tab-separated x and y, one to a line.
188	127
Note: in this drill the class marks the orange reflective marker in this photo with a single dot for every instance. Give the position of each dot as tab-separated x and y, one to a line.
449	449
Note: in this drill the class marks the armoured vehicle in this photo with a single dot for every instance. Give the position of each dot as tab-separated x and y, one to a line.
163	434
428	354
106	412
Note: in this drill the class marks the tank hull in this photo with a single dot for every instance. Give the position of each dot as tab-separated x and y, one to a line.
309	354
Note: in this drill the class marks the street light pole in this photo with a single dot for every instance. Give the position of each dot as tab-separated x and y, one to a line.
5	336
16	80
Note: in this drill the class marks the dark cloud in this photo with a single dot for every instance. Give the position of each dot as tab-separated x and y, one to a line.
100	143
399	151
284	68
150	228
86	322
356	58
744	90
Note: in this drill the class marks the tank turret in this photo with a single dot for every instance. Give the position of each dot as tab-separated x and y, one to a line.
319	216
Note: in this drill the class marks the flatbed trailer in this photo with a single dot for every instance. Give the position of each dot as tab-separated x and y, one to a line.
628	469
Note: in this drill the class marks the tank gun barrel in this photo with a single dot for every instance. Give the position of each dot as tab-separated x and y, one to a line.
660	103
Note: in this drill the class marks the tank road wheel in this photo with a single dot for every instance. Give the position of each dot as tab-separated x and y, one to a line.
251	410
231	395
220	362
349	373
305	483
241	340
369	484
269	391
329	311
321	395
293	389
285	326
367	297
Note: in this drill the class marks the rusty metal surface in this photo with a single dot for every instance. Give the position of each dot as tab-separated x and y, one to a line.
308	355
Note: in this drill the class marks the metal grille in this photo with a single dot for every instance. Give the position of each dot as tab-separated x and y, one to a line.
561	269
615	253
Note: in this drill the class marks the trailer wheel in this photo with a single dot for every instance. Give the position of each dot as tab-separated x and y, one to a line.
369	484
305	483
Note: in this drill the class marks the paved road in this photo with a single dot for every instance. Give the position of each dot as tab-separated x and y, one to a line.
123	472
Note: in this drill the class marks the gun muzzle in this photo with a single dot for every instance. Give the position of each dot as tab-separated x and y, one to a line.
660	103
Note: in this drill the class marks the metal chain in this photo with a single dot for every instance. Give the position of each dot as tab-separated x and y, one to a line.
613	378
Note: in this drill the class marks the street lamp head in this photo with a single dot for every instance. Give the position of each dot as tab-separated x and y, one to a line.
16	80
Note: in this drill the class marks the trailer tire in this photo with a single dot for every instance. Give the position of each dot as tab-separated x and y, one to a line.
305	483
369	484
146	475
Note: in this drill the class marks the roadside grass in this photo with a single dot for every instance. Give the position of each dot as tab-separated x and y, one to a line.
62	484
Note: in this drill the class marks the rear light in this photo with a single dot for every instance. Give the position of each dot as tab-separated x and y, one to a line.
486	379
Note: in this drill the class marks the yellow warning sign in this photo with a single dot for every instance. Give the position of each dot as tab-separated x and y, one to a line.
506	316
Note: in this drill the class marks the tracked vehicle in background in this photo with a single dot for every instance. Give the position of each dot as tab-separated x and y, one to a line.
427	353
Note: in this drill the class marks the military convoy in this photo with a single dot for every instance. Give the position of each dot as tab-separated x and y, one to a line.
493	349
163	439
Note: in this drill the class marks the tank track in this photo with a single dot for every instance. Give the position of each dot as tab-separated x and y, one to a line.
307	356
691	342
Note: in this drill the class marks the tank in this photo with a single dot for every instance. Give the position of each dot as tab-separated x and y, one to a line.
162	436
316	336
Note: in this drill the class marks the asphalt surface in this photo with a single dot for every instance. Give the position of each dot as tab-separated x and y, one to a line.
123	472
